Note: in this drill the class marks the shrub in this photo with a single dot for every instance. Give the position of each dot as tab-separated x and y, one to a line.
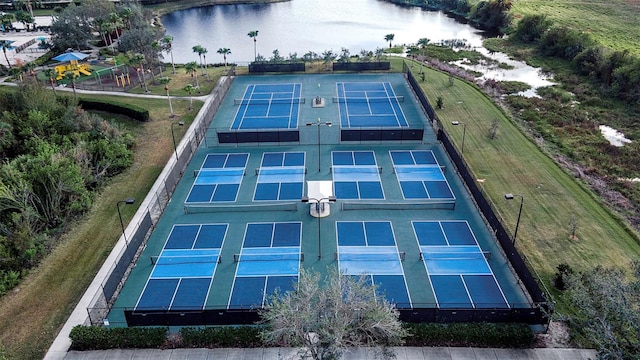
219	337
470	334
129	110
100	338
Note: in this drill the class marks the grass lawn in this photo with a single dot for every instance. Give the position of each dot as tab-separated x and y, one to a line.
32	314
612	23
512	163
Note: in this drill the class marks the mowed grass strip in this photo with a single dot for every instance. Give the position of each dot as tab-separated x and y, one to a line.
512	163
612	23
31	316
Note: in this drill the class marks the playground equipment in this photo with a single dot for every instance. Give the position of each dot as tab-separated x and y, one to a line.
73	65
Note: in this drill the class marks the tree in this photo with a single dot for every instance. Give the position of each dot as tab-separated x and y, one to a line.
607	310
201	51
254	35
323	321
224	52
422	43
167	45
71	75
25	18
327	57
136	59
51	74
6	21
6	44
165	81
190	89
192	68
389	38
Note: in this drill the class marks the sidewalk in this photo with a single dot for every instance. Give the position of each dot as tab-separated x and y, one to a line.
402	353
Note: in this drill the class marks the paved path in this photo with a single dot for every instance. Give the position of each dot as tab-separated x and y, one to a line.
402	353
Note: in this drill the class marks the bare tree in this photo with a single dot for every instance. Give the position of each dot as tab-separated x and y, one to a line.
324	321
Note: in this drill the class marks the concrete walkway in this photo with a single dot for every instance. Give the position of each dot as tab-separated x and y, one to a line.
402	353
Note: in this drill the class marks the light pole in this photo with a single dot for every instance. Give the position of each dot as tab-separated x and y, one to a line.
319	209
318	124
128	201
464	133
510	197
173	137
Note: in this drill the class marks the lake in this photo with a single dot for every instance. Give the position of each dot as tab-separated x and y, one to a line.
300	26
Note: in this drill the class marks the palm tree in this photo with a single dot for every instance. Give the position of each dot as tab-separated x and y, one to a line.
190	89
165	81
167	44
422	43
51	74
6	44
192	68
117	23
254	34
204	56
389	38
139	59
224	52
72	75
16	72
198	50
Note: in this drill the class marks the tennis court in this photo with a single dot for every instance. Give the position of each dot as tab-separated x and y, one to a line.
236	228
182	273
420	176
457	267
369	104
356	175
369	248
269	259
280	176
268	106
218	179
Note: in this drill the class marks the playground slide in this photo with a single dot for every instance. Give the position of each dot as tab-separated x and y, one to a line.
84	72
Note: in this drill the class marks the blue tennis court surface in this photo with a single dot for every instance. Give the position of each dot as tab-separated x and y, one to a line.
183	271
369	248
457	266
269	260
218	179
356	175
280	177
420	176
268	106
369	104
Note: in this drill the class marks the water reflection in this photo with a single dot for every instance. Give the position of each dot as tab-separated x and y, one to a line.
300	26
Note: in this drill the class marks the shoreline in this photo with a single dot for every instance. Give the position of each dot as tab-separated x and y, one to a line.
166	8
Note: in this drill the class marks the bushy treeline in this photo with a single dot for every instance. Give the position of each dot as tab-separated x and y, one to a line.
617	72
490	15
54	155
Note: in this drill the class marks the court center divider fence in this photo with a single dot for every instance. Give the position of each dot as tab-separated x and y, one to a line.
152	207
539	298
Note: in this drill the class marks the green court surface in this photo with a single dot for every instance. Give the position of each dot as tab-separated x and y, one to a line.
236	228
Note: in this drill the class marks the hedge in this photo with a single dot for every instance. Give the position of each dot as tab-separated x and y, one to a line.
467	335
132	111
470	335
100	338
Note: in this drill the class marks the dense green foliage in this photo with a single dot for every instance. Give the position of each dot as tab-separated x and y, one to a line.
99	338
470	334
54	156
476	335
220	337
606	315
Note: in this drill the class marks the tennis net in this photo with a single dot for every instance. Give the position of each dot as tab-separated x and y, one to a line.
268	101
374	256
192	259
352	100
475	255
268	257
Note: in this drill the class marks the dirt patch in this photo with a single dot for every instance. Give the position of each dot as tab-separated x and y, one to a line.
557	336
